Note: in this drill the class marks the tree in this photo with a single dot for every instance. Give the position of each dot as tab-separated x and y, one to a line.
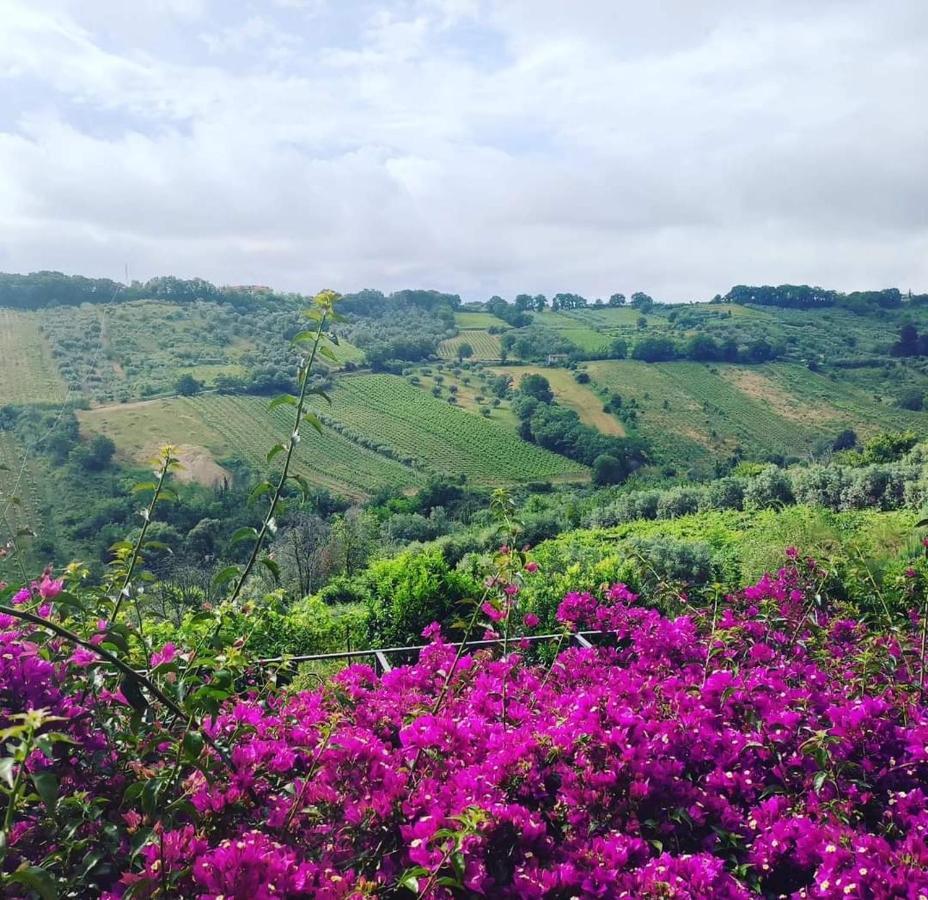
618	349
541	301
607	469
654	350
702	347
642	301
907	345
187	385
617	300
846	440
465	351
524	302
536	386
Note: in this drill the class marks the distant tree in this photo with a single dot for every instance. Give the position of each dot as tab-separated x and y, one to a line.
608	469
913	400
654	350
187	385
760	351
642	301
536	386
702	347
524	302
846	440
582	377
541	301
95	455
908	343
465	351
618	349
617	300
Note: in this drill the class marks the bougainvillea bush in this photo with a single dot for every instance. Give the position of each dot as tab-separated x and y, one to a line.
767	746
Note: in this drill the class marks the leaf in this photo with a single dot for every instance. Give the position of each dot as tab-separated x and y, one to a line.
272	566
277	448
305	337
226	574
259	490
35	879
313	420
158	545
193	744
243	534
144	486
46	785
282	400
922	523
6	770
319	392
328	353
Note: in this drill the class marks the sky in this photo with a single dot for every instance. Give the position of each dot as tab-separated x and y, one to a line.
482	148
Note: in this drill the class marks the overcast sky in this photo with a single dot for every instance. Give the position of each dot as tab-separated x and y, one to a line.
592	146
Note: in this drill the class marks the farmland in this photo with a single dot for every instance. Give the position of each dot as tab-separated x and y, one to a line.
568	392
486	346
227	426
443	438
29	373
467	321
690	411
20	497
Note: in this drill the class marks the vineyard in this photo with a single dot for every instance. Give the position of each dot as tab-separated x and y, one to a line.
228	426
20	505
486	346
29	373
445	439
689	410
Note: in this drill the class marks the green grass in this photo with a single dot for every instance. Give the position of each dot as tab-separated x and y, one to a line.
20	499
477	320
486	346
447	440
226	425
29	373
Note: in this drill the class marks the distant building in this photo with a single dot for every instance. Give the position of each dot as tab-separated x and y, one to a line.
557	359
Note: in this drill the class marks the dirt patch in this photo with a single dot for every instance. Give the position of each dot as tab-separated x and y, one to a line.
760	387
198	466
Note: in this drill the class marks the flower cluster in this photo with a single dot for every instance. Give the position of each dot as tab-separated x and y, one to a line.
773	749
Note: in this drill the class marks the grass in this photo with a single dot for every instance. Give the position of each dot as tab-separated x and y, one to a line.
29	373
20	498
211	427
445	439
477	320
568	392
486	346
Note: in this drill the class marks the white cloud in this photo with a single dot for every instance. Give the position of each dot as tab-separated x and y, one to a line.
480	147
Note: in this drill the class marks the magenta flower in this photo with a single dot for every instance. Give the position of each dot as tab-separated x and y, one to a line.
167	654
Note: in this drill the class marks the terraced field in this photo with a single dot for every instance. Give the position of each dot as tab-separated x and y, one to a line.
579	397
691	411
29	373
486	346
445	439
224	425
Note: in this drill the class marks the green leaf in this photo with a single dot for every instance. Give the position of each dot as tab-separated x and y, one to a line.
282	400
144	486
313	420
305	337
157	545
277	448
46	785
6	770
35	879
272	566
226	574
259	490
193	744
243	534
319	392
328	353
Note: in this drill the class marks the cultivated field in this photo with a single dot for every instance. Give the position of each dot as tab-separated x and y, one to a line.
691	410
477	320
579	397
211	427
486	346
29	373
443	438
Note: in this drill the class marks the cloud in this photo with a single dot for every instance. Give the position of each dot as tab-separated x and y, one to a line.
485	148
